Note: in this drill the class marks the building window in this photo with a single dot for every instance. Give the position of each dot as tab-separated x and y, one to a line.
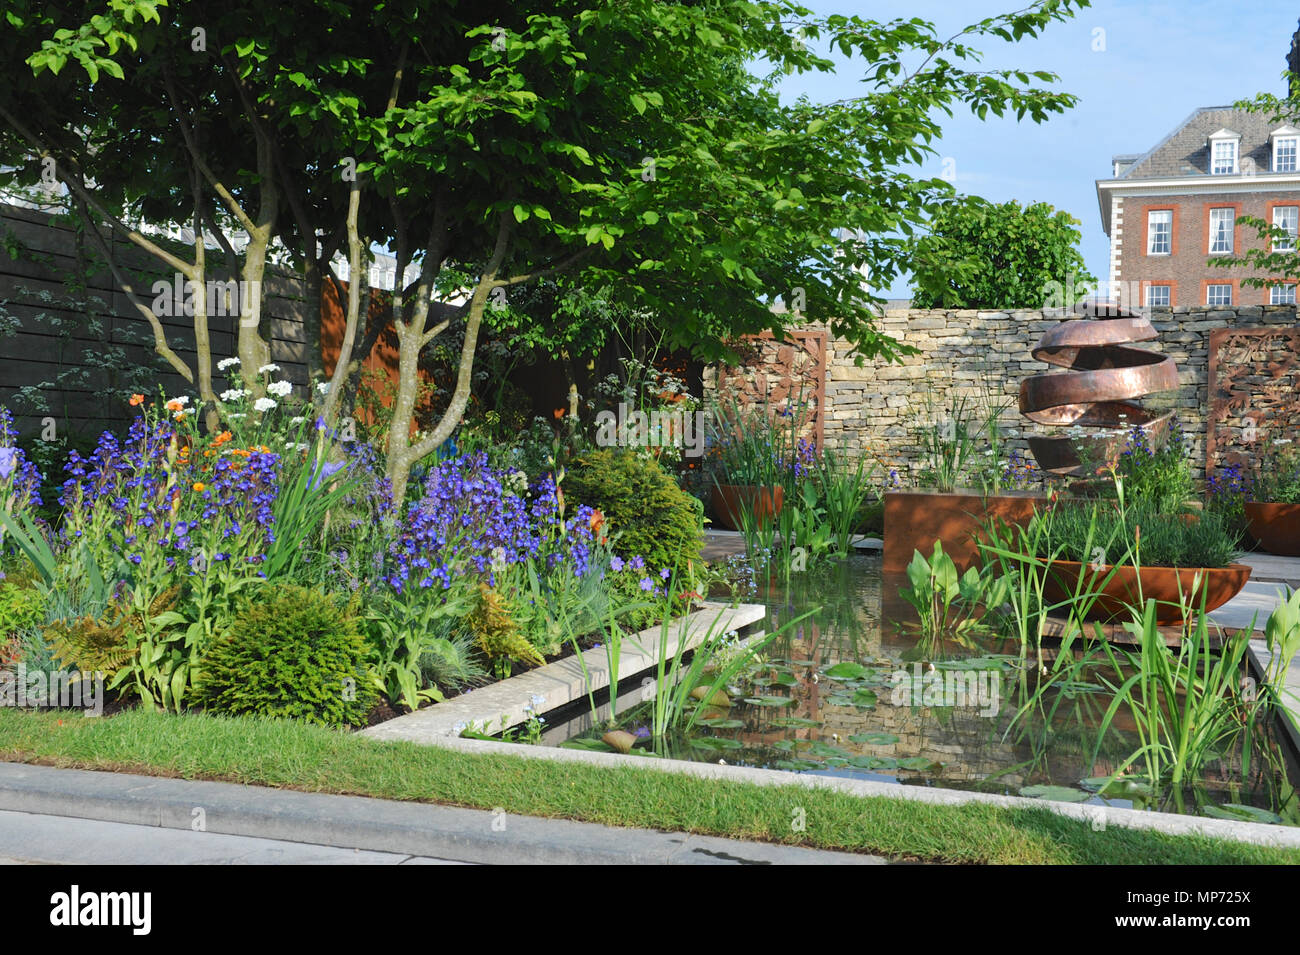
1288	218
1284	154
1157	295
1281	295
1218	295
1160	227
1224	157
1221	230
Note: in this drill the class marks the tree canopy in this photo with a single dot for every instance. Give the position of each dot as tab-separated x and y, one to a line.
627	142
988	255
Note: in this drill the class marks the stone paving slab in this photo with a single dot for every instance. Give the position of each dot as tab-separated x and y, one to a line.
506	704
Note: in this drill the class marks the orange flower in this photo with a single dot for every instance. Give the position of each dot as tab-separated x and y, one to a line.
199	486
174	405
222	438
559	413
137	400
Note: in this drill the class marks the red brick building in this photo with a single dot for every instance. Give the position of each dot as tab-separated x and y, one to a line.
1171	209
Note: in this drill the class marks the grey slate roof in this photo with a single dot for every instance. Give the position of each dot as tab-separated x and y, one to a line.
1184	151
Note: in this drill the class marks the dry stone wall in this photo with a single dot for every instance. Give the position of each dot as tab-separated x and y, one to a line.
878	409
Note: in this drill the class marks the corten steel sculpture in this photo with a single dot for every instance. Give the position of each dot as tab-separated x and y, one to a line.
1105	376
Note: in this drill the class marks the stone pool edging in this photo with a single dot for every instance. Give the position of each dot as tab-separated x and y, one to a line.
1099	817
559	683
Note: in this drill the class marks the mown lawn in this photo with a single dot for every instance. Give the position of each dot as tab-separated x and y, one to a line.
298	756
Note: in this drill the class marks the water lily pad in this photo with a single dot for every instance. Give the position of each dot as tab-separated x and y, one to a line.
714	698
795	721
916	763
877	739
865	698
1240	812
846	671
769	700
1123	786
798	765
1057	793
989	662
620	740
836	761
723	724
874	762
818	748
716	742
785	745
840	699
595	745
785	679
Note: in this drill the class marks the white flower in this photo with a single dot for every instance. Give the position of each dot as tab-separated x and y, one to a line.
227	363
263	404
182	400
299	419
265	369
236	415
537	699
280	389
323	387
1282	441
233	394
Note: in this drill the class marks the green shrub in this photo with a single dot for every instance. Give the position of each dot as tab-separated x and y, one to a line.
22	605
653	517
290	652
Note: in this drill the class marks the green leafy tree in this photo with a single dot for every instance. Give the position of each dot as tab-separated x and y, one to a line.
628	142
980	254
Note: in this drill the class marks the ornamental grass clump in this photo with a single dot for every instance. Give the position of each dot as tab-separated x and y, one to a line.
1278	477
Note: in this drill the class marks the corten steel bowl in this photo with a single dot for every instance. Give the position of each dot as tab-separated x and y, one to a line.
730	500
1162	584
1276	527
1105	374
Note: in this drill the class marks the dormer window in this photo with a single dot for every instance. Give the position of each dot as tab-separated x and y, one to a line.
1224	146
1286	147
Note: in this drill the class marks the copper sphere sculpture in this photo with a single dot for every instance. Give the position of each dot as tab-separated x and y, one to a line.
1105	375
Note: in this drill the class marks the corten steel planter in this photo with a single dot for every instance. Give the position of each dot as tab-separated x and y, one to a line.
1276	527
1161	584
914	520
762	503
1105	374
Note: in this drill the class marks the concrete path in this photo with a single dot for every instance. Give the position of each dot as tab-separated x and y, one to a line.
152	820
60	840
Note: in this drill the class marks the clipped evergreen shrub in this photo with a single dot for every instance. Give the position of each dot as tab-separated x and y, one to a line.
653	517
290	652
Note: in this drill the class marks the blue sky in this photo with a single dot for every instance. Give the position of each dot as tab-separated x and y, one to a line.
1160	62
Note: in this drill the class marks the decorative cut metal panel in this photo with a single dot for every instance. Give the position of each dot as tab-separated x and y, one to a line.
1254	393
787	375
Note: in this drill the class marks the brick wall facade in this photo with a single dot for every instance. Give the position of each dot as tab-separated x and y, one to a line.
1184	269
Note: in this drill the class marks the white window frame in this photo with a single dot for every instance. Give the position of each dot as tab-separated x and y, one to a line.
1216	234
1168	233
1167	295
1281	295
1228	162
1212	288
1293	143
1293	213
